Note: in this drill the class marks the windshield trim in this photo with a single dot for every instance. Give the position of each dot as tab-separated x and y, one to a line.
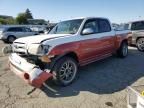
52	32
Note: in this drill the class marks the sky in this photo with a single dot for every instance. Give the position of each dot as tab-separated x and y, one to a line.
118	11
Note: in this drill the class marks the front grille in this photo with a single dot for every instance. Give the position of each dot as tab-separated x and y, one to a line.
19	48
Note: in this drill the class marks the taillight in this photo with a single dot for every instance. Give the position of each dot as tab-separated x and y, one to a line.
26	76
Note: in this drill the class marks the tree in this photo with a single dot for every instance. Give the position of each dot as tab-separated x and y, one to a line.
3	21
11	21
21	18
28	14
7	21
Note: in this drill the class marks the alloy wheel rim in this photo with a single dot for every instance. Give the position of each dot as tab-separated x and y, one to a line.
141	44
67	71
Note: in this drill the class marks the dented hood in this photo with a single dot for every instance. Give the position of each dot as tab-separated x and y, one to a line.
39	38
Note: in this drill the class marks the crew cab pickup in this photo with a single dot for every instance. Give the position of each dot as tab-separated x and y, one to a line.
72	43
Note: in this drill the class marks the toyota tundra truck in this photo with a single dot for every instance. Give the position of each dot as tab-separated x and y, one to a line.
56	56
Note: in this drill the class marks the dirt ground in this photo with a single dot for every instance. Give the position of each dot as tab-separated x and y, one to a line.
102	84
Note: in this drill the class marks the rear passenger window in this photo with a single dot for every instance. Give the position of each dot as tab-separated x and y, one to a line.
104	25
137	26
15	29
26	29
11	29
19	29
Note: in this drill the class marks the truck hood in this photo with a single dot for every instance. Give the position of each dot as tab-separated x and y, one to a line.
39	38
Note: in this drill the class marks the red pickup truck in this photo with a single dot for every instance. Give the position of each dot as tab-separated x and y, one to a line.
71	43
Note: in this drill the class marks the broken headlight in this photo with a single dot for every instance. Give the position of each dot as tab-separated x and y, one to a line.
38	49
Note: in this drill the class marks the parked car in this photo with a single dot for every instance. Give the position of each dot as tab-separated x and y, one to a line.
72	43
9	34
137	36
38	29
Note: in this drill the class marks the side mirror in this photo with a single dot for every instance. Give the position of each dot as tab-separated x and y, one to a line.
87	31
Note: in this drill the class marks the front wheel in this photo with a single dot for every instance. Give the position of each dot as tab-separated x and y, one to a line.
140	44
65	71
123	50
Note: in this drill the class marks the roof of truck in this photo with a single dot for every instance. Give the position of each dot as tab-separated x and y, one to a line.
135	21
86	18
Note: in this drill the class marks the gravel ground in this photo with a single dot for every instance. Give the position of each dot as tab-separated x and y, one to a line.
101	84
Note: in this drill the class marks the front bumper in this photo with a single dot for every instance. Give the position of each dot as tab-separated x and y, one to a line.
30	73
3	37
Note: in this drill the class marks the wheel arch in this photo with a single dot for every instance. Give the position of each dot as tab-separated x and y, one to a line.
7	40
68	54
11	36
139	38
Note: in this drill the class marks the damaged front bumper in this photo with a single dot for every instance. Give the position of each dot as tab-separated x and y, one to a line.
29	72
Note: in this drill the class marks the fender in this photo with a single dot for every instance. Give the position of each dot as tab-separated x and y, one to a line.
63	50
66	48
120	39
55	59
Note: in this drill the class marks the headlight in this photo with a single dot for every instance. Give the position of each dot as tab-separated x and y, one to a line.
43	49
38	49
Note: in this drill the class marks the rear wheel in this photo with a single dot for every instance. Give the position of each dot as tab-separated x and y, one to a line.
11	39
65	71
140	44
123	50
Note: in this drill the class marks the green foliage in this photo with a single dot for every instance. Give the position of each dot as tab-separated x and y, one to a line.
11	21
21	18
28	14
7	21
2	21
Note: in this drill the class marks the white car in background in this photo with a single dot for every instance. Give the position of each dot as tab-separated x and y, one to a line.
9	34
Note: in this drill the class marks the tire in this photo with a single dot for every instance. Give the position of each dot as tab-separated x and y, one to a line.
10	39
123	50
65	71
140	44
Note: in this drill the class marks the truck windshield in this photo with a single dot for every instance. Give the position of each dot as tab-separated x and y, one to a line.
67	27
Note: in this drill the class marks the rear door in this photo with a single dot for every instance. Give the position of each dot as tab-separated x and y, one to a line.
27	31
99	44
107	36
19	32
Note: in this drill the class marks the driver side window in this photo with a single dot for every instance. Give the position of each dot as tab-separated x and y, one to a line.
92	24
